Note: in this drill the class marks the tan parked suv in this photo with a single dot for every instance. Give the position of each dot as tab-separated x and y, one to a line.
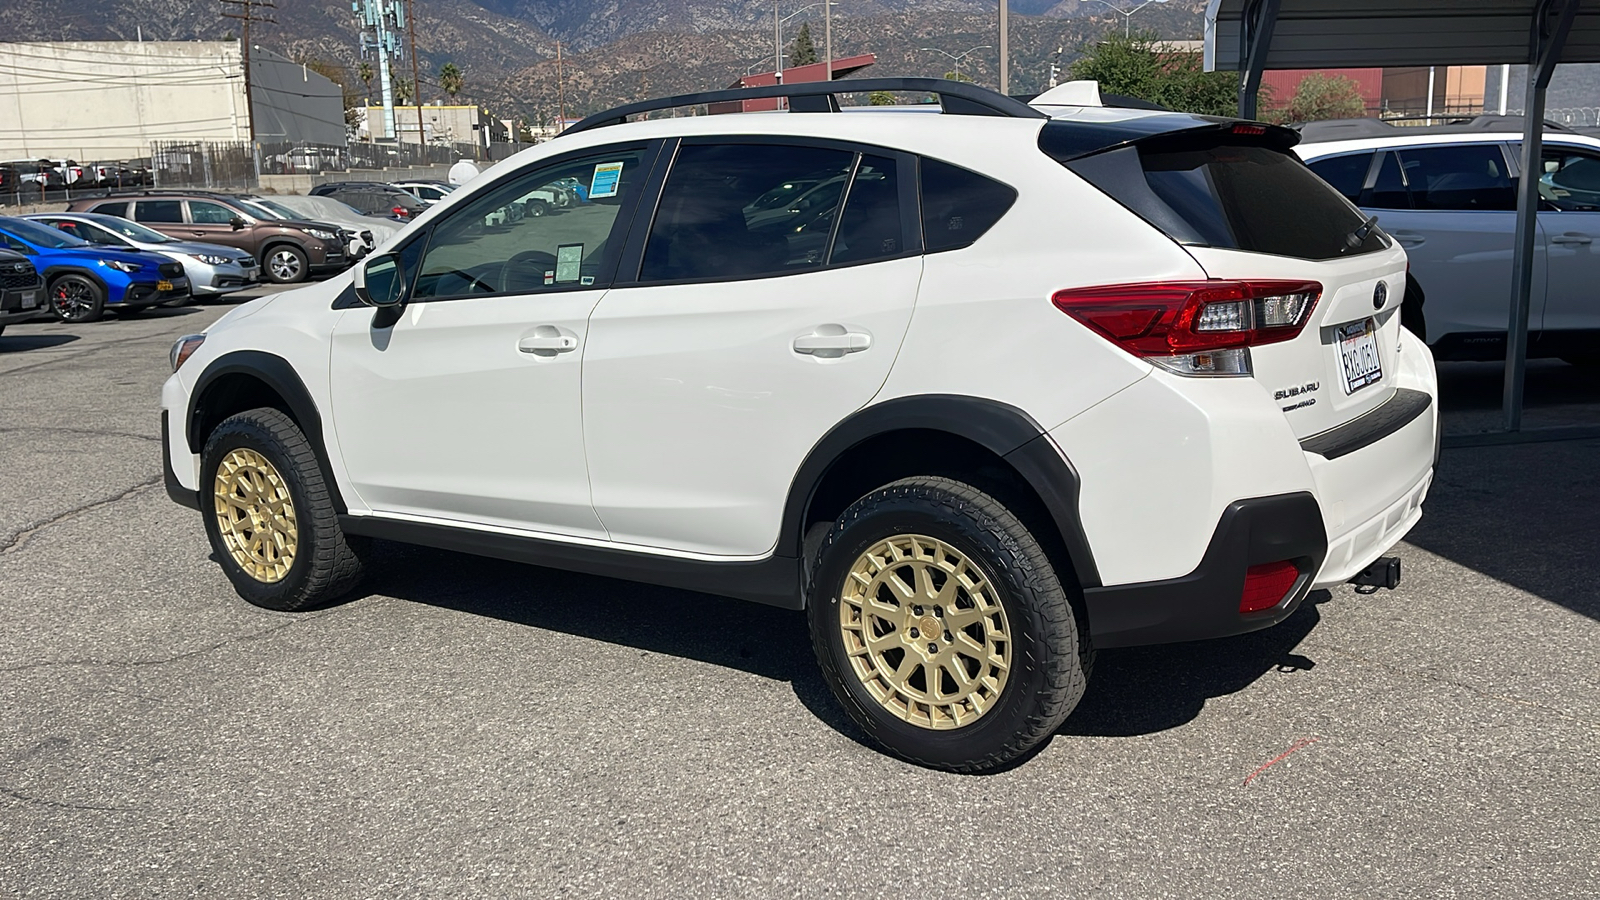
290	250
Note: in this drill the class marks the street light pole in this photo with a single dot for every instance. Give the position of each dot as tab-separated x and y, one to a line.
1005	51
956	57
827	37
1127	15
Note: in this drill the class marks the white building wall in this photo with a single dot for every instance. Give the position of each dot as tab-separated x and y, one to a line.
107	100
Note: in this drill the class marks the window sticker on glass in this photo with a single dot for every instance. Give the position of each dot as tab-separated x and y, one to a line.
606	177
569	257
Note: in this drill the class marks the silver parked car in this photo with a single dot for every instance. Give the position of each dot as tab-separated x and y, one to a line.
371	229
1448	195
213	269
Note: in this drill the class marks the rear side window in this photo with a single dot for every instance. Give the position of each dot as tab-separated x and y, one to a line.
159	210
870	227
118	209
1346	174
1389	191
1462	177
958	205
743	210
1212	190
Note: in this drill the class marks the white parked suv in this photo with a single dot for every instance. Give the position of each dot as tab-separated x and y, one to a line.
1448	195
1029	387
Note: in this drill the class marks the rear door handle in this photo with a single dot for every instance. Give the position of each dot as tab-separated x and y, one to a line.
1572	237
548	341
1409	238
832	342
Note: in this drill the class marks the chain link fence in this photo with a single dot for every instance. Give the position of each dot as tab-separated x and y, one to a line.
203	164
300	158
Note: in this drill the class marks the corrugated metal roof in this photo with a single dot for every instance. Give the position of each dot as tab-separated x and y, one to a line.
1325	34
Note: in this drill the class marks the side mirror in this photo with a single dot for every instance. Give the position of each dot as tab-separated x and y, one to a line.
381	281
237	223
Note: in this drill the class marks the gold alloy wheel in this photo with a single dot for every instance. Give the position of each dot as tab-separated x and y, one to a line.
924	631
255	515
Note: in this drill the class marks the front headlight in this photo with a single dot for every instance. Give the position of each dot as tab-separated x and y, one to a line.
210	260
121	266
320	234
184	348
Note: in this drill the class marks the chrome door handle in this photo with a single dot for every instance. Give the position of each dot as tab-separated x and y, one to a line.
832	342
1572	237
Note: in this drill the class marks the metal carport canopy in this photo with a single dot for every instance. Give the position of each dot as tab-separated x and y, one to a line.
1253	35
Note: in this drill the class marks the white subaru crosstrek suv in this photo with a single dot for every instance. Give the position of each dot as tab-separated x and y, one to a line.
1022	387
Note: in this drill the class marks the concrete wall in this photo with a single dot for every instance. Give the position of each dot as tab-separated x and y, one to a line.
107	100
301	184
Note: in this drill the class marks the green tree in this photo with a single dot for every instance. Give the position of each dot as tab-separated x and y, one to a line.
365	73
956	76
803	52
402	90
451	79
1320	96
881	98
1140	65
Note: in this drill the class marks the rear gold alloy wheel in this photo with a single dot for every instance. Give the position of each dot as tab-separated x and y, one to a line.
924	632
255	515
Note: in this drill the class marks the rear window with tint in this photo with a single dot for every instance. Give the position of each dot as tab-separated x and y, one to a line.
1210	190
958	205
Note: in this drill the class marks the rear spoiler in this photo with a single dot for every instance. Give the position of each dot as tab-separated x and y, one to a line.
1069	139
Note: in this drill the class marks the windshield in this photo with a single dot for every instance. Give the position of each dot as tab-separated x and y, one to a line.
40	235
133	230
283	212
254	207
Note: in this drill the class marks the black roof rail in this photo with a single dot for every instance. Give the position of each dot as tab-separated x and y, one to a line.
956	97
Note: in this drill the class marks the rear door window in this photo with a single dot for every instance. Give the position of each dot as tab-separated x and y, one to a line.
168	211
1458	177
745	210
871	226
1390	191
1347	174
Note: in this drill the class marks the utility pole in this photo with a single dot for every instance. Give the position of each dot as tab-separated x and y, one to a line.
777	48
247	16
827	35
416	83
1005	50
561	92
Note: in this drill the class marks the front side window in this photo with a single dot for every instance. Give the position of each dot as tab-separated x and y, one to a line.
203	213
1463	177
1571	180
743	210
497	244
165	211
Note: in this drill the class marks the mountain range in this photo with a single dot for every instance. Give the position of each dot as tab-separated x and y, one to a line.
619	50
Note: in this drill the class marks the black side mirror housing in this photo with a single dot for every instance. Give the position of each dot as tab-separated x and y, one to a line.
237	223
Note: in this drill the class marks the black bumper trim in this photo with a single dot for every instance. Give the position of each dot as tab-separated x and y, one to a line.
179	494
1396	413
1205	603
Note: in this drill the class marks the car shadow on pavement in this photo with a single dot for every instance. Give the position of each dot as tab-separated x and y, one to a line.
19	343
1132	692
1143	690
762	640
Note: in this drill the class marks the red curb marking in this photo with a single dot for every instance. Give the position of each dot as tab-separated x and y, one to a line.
1298	745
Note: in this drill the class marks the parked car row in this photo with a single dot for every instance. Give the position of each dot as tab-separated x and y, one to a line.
55	174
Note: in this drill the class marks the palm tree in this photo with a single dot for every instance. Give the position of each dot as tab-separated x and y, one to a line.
450	78
402	91
365	72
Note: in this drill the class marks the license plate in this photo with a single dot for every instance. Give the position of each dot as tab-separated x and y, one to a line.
163	285
1358	355
30	299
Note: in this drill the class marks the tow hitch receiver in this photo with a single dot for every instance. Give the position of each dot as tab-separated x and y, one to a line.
1383	573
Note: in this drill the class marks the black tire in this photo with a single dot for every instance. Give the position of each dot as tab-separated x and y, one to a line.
285	264
76	298
537	208
324	566
1050	655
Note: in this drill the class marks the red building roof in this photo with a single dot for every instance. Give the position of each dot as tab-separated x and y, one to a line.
842	67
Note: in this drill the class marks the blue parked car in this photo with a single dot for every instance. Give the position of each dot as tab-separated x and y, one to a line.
82	280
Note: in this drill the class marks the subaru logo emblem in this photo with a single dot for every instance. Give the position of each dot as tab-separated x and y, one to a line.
1380	295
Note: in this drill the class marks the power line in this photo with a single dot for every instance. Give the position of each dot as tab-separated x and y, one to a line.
249	16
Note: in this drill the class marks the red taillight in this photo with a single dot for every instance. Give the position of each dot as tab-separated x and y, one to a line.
402	212
1266	585
1179	317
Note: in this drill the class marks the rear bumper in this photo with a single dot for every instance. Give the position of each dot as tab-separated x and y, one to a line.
1205	603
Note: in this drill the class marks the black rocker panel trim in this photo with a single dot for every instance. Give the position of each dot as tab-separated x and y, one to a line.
179	494
1004	430
276	373
1369	428
1205	602
774	581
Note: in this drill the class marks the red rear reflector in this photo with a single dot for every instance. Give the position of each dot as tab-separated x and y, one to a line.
1249	129
1266	585
1171	318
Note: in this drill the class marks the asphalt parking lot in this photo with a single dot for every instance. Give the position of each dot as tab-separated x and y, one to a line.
472	728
